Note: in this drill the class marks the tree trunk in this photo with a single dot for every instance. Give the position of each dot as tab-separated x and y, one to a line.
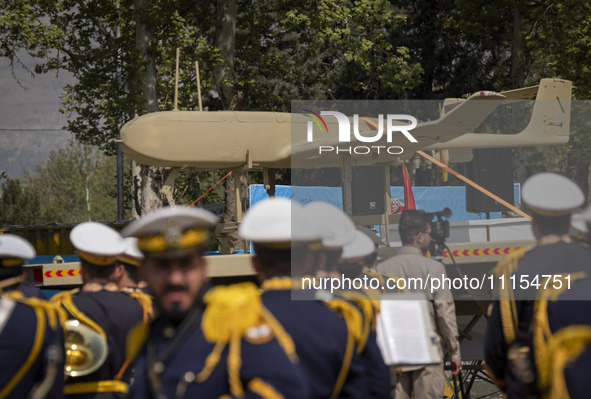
147	180
225	40
517	48
517	80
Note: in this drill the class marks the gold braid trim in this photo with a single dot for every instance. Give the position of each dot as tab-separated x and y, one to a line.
376	309
349	349
565	346
264	390
230	311
368	317
552	293
55	314
282	336
37	343
234	364
14	294
277	284
127	259
211	362
11	262
65	300
285	341
95	259
57	298
145	301
135	340
507	308
162	242
541	326
96	386
352	317
541	334
508	311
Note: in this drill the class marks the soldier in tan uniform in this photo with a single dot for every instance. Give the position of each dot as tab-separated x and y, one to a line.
424	381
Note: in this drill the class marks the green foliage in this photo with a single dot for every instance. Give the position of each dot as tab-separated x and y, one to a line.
319	50
75	184
311	49
284	51
191	185
95	41
560	41
19	204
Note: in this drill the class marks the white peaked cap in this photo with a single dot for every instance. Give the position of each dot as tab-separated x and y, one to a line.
586	215
131	248
360	247
337	228
157	222
97	239
13	246
276	220
551	194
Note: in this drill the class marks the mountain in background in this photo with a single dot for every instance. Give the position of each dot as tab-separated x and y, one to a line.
30	121
22	151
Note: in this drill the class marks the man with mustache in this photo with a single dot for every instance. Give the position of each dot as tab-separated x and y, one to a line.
424	381
203	342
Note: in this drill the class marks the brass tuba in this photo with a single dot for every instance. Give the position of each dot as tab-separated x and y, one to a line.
86	349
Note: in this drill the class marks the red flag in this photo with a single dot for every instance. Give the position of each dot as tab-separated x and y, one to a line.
409	199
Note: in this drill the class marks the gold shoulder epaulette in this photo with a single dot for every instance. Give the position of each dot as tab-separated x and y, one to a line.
55	313
59	297
232	313
229	310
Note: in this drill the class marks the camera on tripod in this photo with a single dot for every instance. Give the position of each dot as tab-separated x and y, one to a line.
439	231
